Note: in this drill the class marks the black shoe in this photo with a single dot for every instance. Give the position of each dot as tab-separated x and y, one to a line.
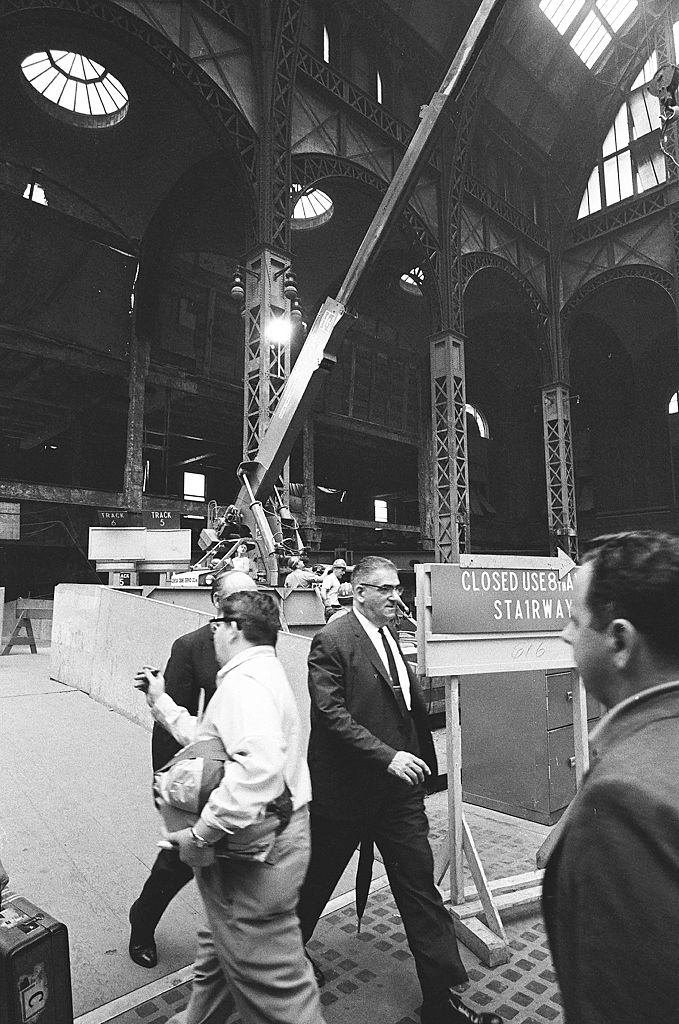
142	949
457	1013
318	973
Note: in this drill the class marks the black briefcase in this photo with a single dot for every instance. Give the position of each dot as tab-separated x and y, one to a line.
35	970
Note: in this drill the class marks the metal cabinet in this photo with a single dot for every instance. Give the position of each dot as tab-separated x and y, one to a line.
517	742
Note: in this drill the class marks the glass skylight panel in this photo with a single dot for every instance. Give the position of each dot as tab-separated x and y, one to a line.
76	84
591	200
412	281
561	12
616	12
312	208
590	40
647	72
618	135
645	111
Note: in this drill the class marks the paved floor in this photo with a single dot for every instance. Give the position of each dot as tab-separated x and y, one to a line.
77	833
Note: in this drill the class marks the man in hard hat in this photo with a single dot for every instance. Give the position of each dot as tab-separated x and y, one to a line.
331	584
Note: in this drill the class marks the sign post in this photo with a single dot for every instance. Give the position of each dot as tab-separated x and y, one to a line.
491	613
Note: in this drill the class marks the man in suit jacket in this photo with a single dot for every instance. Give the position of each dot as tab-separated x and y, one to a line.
370	751
192	667
611	885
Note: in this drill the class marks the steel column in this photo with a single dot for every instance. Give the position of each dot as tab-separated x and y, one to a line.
449	429
556	421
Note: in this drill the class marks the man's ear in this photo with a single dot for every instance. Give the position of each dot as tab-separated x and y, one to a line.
624	641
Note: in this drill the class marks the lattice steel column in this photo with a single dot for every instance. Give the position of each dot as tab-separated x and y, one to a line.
449	429
267	356
556	420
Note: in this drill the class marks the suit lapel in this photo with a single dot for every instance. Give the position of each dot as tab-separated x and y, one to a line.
373	657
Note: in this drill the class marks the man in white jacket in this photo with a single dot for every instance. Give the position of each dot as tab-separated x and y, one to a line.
253	944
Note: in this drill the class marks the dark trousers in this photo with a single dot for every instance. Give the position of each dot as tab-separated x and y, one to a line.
400	832
168	875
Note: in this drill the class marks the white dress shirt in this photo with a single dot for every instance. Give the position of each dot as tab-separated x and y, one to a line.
376	639
255	715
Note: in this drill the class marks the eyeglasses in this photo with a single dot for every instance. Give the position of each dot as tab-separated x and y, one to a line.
215	621
384	588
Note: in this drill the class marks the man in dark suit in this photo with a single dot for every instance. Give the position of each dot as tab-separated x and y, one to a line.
370	751
192	667
611	885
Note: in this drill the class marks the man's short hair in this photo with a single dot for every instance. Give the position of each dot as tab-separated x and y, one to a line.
231	582
255	614
635	576
368	566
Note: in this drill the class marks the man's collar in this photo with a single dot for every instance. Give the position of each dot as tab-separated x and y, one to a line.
366	623
251	652
607	728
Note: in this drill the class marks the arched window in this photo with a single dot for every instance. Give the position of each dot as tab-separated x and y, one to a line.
311	207
74	88
631	160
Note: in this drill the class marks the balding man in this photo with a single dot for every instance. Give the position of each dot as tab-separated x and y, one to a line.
192	667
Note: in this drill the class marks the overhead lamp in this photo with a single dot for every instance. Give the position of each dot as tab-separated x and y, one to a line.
279	330
238	286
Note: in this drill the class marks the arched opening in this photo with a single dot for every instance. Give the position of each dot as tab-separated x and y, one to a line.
622	343
508	500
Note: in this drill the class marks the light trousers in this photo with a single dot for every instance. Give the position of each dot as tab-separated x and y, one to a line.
251	952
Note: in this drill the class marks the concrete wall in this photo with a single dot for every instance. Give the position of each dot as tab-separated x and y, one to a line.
100	637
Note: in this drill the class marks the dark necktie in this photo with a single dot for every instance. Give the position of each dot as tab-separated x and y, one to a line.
393	672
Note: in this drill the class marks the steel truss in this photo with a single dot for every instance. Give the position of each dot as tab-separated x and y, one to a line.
449	432
559	466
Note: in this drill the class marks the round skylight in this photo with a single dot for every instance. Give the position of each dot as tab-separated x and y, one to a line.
412	281
75	89
312	207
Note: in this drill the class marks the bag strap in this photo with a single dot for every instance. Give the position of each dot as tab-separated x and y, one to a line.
211	749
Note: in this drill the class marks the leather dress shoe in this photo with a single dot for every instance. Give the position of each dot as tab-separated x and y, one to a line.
454	1011
318	973
457	1012
142	949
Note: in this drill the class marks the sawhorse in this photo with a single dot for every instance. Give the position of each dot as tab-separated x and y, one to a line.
24	623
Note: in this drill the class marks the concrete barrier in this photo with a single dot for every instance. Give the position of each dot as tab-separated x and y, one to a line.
100	637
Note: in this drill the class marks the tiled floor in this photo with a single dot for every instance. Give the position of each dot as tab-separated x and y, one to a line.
370	975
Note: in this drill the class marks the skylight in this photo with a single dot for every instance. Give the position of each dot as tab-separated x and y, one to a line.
590	25
312	208
412	281
561	12
590	40
75	88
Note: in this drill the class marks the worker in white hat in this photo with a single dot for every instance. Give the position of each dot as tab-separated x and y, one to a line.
331	584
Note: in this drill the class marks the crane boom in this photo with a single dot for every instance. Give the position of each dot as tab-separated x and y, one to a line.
322	344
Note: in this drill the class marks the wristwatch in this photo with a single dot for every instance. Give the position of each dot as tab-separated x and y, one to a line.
199	841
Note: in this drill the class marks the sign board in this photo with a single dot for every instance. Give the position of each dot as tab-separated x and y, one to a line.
111	517
493	613
154	520
469	599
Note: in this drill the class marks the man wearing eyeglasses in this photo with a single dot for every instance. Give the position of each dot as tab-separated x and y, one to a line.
192	667
370	751
251	948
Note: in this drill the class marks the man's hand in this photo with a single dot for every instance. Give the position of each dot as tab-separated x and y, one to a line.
190	851
151	682
408	768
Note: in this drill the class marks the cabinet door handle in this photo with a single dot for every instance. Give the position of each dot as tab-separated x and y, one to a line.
571	762
569	696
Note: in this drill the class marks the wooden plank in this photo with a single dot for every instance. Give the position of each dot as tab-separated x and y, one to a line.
454	757
479	875
503	901
490	948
